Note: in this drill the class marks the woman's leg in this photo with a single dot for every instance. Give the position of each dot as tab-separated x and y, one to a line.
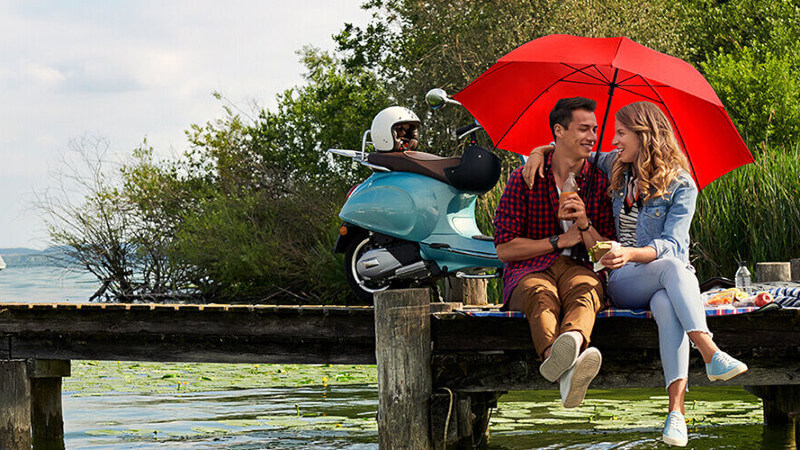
673	344
639	280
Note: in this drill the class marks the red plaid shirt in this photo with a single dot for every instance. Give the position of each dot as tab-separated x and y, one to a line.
532	214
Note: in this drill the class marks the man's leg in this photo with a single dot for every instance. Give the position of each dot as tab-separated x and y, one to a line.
581	293
535	295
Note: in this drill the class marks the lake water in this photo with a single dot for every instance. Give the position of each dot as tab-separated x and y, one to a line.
150	405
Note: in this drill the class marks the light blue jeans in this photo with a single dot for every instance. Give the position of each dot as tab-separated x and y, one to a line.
671	292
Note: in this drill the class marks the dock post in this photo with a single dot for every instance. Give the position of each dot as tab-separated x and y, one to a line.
403	354
47	419
15	405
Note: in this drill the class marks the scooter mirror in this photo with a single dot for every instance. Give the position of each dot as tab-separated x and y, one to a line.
437	97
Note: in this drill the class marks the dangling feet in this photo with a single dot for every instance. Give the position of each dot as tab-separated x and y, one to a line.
723	367
563	354
675	432
576	380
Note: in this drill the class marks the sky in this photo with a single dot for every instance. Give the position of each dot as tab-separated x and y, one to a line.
125	71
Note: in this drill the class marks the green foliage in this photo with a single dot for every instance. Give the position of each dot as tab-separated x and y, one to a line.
415	46
259	200
748	52
761	92
750	214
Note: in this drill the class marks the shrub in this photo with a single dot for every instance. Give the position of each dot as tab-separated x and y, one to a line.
751	214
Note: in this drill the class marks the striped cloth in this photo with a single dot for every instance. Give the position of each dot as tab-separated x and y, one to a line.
784	296
627	226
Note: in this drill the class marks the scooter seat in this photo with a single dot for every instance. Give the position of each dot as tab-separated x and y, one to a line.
476	171
416	162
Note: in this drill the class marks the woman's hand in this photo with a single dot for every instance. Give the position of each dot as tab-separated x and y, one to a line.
617	258
535	163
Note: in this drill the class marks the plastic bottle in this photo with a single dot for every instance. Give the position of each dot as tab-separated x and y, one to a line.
570	187
742	278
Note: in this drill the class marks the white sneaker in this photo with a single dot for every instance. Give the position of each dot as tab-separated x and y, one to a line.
575	381
563	355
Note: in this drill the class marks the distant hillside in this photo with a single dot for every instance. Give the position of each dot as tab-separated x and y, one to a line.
26	257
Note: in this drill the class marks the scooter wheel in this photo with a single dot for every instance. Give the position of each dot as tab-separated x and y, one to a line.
363	289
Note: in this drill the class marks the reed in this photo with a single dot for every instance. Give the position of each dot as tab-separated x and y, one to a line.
750	214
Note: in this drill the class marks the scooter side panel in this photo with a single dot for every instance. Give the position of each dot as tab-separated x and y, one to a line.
399	204
484	254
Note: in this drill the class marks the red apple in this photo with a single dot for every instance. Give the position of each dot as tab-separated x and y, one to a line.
763	298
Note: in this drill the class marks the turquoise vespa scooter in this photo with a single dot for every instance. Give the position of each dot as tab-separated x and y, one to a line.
413	220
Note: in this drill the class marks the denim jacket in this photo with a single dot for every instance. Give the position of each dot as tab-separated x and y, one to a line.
663	221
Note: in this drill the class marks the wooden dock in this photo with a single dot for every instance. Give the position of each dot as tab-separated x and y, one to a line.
439	371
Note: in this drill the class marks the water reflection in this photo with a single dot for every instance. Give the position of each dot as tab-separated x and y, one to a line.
343	417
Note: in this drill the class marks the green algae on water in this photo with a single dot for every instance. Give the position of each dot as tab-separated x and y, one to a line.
108	377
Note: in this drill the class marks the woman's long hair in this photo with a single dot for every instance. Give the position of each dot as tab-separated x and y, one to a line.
659	160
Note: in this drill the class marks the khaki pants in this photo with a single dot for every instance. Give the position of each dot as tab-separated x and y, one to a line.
564	297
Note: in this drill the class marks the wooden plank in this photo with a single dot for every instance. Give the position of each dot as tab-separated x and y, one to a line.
519	370
48	368
183	348
456	332
315	322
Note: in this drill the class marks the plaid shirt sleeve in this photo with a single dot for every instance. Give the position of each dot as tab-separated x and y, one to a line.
510	218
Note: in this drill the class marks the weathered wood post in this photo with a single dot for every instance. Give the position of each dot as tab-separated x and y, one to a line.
773	271
403	354
781	408
15	405
469	291
795	268
46	415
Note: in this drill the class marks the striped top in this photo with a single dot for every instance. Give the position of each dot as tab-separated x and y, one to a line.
627	226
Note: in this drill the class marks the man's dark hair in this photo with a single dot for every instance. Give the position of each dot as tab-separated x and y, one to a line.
562	112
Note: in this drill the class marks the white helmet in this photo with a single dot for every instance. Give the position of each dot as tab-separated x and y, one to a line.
395	128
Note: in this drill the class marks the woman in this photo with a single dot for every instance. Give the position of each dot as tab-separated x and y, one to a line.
653	199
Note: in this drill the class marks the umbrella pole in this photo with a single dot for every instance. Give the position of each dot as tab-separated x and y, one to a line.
611	88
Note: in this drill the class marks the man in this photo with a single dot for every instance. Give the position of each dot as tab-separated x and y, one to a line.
547	275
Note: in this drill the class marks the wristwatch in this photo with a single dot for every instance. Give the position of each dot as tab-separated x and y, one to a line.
554	242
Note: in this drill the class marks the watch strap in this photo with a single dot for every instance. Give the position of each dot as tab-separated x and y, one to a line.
554	242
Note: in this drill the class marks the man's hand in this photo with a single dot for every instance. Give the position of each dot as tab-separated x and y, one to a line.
573	208
615	259
571	238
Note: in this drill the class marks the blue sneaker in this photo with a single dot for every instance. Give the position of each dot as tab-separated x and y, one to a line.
724	367
675	430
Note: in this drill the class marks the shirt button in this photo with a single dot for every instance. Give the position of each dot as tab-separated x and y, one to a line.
658	213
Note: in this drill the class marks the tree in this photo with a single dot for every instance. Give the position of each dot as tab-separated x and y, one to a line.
91	217
252	206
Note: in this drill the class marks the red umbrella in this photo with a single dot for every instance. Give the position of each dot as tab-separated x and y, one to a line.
512	100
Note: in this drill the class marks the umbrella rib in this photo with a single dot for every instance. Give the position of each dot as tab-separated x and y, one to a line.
581	70
585	82
641	95
497	145
677	130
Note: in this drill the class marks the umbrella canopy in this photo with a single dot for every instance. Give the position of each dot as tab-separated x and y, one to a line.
513	98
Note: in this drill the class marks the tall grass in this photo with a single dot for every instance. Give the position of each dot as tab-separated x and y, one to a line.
750	214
